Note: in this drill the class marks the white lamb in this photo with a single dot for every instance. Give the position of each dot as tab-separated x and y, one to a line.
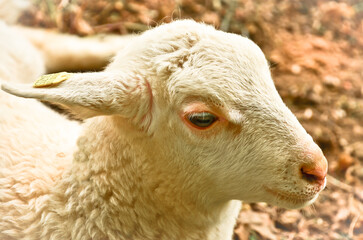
61	52
19	59
10	10
183	124
64	52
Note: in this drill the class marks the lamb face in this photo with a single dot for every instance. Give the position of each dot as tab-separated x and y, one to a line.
216	101
204	102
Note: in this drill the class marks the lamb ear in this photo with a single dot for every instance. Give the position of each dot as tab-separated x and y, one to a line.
92	94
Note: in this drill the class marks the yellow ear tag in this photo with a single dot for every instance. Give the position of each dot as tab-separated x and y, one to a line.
53	79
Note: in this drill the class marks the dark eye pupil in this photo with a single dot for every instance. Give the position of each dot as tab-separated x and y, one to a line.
203	119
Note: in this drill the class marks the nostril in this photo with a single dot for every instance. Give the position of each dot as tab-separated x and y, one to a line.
313	175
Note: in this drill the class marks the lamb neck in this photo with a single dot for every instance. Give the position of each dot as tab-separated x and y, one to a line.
114	191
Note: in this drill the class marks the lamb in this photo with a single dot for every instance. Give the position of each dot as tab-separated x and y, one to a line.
59	52
22	161
20	61
10	10
64	52
183	125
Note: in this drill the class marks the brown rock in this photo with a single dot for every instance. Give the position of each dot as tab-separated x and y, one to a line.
289	219
344	161
358	150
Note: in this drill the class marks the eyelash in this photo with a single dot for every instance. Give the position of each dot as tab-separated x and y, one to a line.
202	120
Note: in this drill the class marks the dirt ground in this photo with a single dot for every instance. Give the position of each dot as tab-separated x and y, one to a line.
315	48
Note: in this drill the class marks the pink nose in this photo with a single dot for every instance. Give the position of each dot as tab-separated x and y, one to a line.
314	174
315	166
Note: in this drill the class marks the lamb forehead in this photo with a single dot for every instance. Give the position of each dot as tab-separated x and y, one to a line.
219	68
197	59
189	37
219	64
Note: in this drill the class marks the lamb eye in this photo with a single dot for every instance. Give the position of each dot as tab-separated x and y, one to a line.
202	119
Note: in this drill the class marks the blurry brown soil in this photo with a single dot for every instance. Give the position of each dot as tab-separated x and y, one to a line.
315	48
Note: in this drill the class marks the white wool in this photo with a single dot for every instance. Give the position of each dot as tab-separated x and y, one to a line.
27	137
20	61
61	52
10	10
140	170
64	52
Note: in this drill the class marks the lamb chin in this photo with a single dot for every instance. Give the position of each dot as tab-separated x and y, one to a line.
289	201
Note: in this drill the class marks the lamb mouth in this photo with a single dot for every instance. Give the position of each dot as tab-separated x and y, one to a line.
289	197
